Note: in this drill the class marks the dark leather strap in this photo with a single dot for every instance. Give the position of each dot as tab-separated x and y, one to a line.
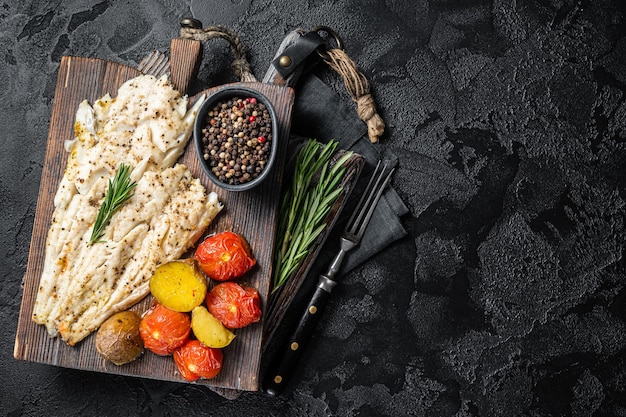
300	53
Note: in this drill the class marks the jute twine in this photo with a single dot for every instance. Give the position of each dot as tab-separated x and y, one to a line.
359	89
240	64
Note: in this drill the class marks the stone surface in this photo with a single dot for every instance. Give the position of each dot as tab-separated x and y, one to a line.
508	295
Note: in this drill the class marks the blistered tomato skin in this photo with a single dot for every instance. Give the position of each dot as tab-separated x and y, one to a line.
164	330
195	360
235	305
224	256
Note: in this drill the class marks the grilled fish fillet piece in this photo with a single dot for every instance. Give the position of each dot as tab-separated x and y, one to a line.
81	284
146	126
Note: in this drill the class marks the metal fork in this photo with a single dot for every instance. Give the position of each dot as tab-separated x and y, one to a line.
357	224
285	362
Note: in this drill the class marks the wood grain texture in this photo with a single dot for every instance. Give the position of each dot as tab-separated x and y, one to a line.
185	57
253	213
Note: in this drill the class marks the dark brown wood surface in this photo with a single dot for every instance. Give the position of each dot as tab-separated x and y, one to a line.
253	213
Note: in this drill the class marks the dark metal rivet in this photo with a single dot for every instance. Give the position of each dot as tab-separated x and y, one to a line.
190	22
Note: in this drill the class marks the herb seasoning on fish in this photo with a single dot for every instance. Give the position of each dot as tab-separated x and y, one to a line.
237	139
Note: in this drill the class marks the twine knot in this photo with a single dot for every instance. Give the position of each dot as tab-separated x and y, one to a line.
366	109
359	89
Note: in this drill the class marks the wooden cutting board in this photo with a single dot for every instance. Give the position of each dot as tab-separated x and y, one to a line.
253	213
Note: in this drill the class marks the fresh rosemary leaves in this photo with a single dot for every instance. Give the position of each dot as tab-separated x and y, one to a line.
314	189
119	191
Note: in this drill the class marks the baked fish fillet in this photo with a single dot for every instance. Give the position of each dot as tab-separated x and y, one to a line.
146	126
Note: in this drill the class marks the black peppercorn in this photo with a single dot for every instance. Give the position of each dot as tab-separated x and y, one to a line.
241	149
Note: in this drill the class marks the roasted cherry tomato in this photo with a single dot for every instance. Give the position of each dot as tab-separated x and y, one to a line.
224	256
235	305
194	360
164	330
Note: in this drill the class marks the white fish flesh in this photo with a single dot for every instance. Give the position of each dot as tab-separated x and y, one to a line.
147	126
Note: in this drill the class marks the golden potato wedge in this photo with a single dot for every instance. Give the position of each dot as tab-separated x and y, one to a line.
209	330
179	285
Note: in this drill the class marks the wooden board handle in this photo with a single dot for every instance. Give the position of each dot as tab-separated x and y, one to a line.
185	57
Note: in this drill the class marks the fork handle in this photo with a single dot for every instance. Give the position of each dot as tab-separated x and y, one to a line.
286	359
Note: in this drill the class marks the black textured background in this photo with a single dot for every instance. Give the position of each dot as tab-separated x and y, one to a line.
507	297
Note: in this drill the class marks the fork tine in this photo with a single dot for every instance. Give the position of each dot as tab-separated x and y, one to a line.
381	184
358	209
368	201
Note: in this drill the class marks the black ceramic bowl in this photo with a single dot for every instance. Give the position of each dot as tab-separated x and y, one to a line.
222	96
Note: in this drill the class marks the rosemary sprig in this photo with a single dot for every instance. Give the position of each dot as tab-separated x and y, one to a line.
314	189
119	191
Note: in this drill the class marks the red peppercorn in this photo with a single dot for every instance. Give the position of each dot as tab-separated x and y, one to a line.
252	119
261	139
251	100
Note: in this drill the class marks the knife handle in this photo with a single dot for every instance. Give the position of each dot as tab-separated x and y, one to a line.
286	360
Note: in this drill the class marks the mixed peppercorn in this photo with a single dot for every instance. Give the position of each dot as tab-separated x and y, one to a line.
237	139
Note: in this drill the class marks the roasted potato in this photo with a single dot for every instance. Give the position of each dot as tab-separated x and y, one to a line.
118	338
209	330
179	285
